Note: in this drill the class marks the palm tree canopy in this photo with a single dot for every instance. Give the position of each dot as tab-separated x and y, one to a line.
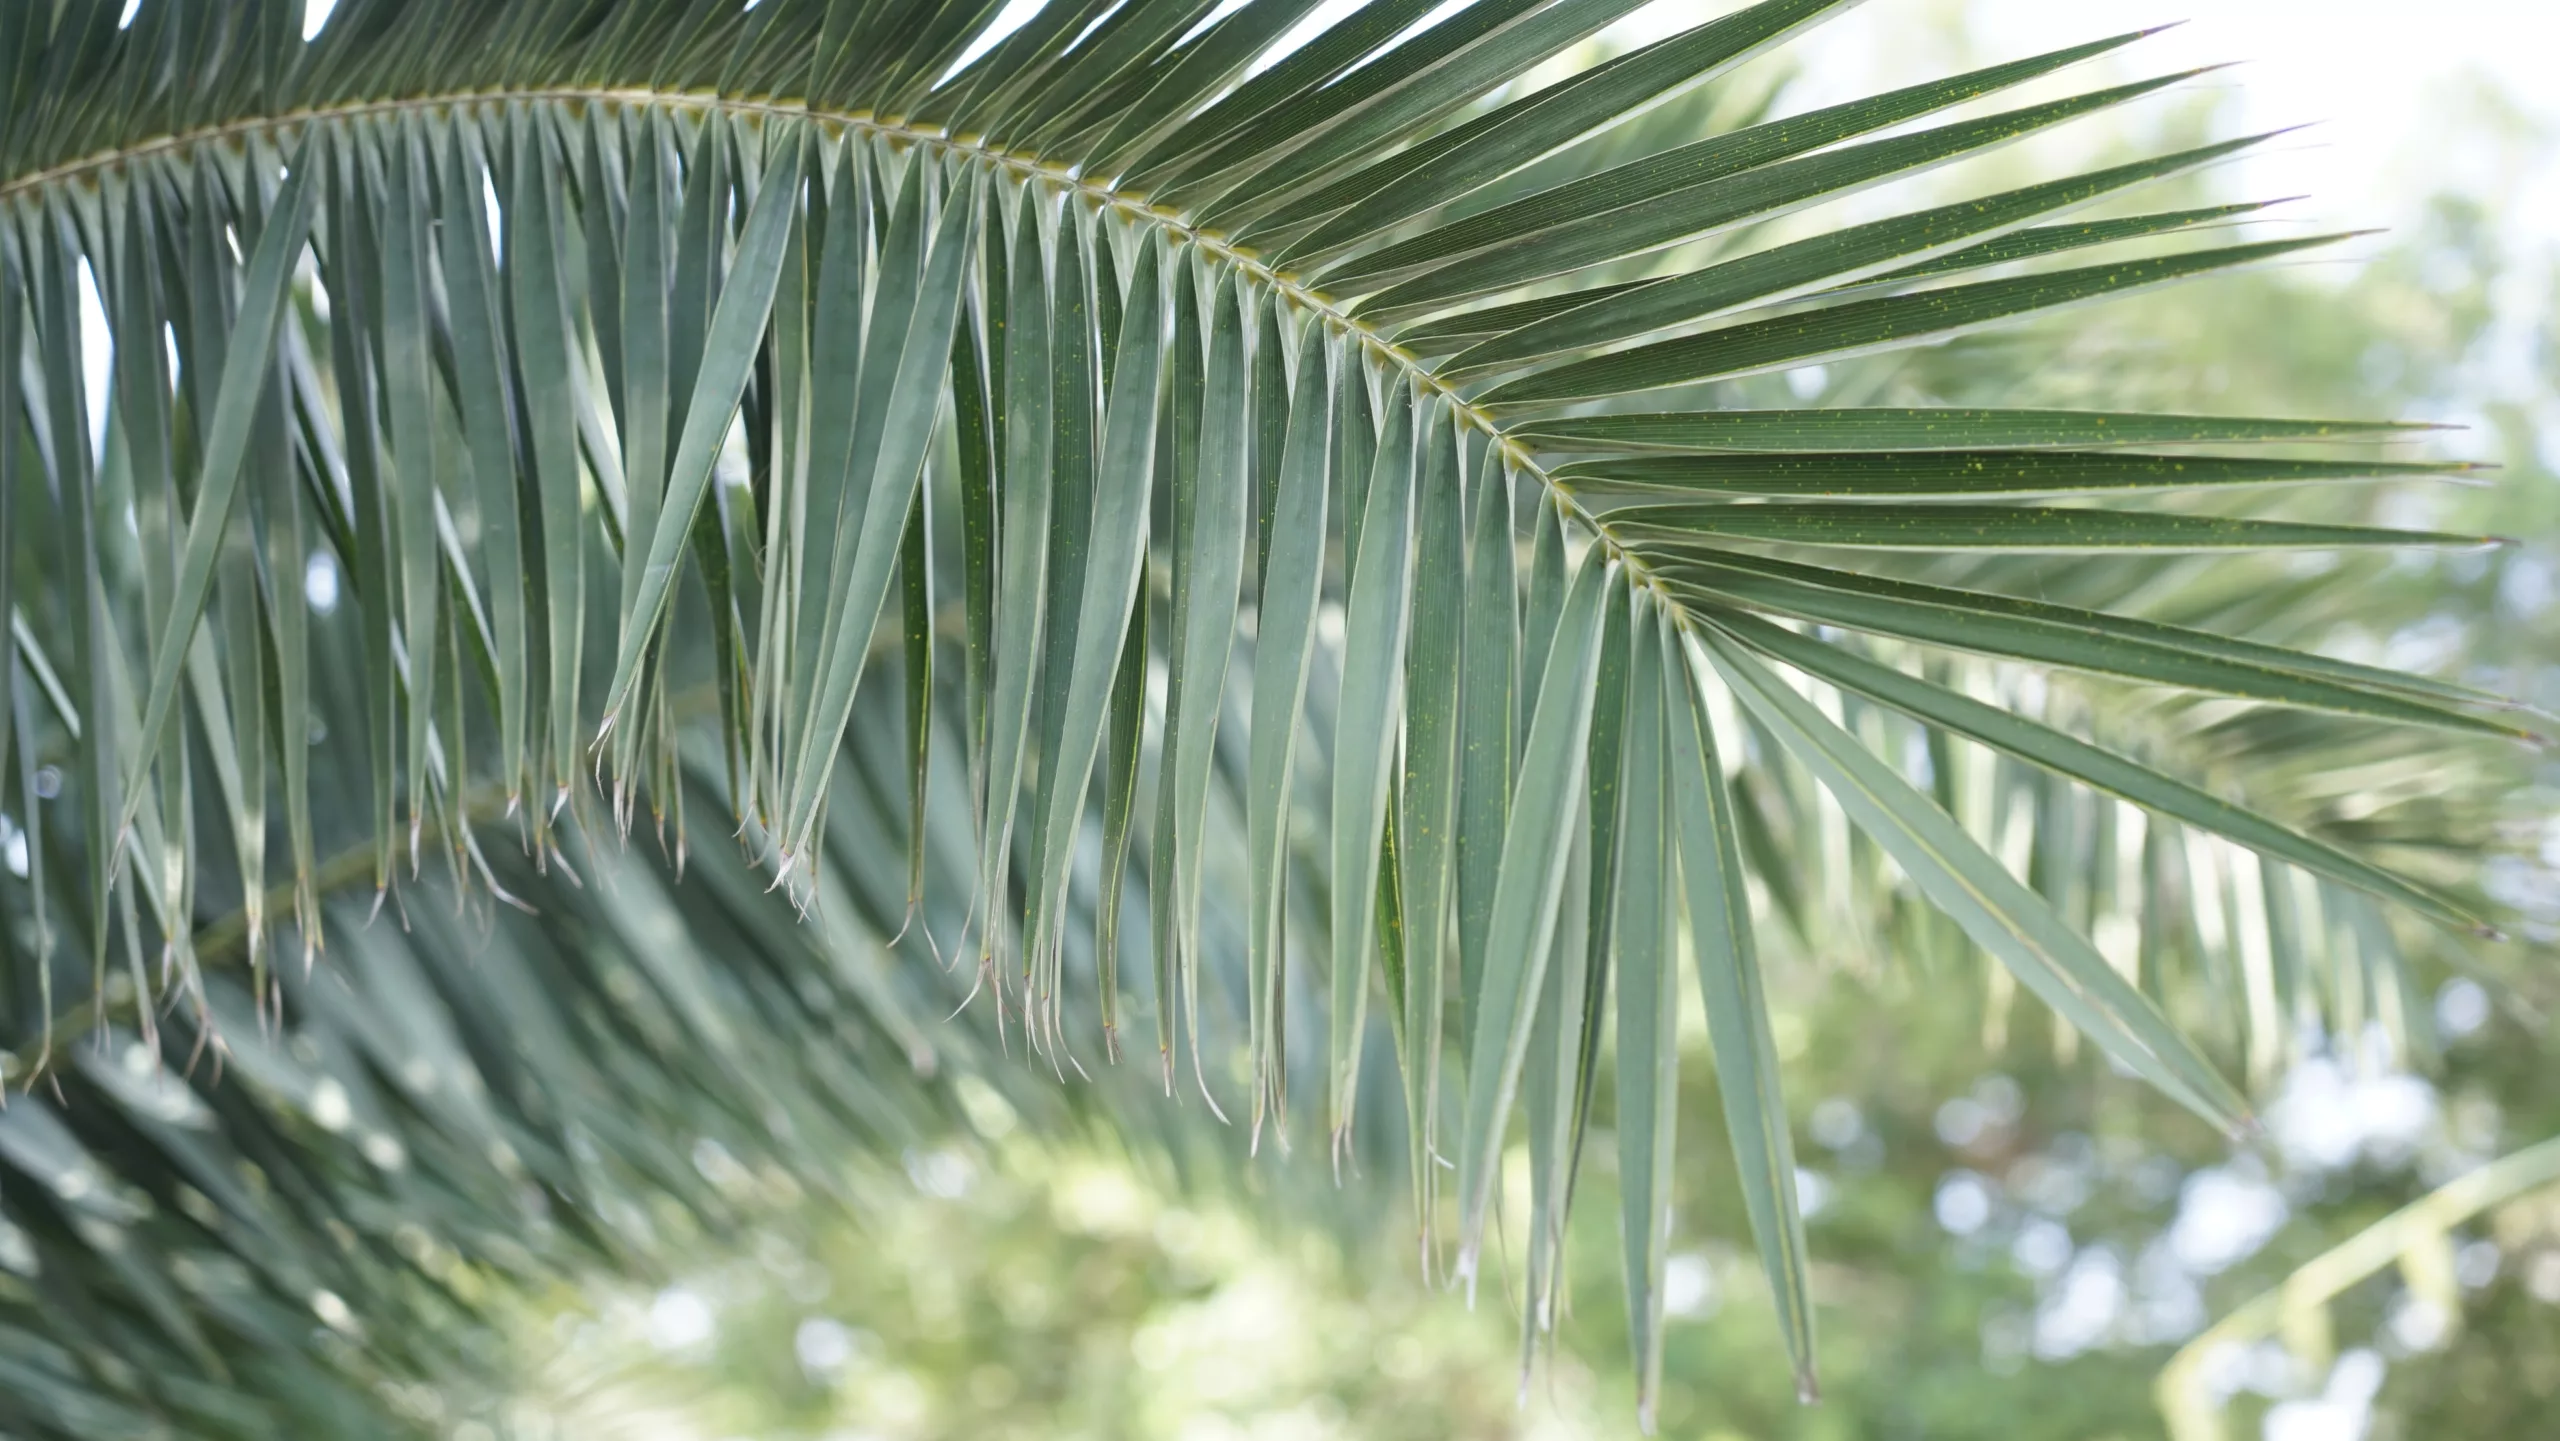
1315	453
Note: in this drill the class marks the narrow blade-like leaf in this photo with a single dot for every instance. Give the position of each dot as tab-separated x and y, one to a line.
1737	1006
1921	475
2039	530
1534	849
1866	326
2005	918
2085	640
2128	779
247	365
1648	1006
1921	429
1284	638
1367	728
737	327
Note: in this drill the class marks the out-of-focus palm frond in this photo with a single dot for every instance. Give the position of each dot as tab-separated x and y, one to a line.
2418	1238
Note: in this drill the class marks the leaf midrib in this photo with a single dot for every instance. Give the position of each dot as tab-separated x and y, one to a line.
1134	207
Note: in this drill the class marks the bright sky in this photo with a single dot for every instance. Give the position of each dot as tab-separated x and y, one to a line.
2381	79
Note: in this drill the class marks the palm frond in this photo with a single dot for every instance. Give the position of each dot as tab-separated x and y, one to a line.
622	358
2418	1238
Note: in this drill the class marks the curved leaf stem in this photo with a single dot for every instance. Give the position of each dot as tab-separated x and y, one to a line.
1025	167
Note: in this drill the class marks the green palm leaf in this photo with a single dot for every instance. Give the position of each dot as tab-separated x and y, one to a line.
622	356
